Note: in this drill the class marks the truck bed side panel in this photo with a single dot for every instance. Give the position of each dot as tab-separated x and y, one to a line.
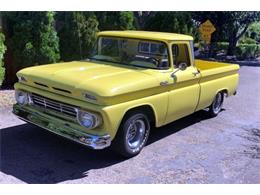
216	77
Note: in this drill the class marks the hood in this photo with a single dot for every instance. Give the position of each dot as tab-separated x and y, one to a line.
77	78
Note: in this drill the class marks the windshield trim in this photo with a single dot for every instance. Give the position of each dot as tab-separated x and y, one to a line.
153	40
128	65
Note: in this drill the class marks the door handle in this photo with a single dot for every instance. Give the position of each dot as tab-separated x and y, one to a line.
196	73
164	83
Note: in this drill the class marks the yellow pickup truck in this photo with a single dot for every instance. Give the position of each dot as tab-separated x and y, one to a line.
134	80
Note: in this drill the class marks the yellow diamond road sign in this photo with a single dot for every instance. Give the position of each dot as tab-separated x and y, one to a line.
206	37
206	29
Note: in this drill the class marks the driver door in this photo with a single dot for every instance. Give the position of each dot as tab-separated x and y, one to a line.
184	89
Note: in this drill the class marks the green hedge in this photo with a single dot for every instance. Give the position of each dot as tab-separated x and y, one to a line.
247	40
248	51
243	50
222	46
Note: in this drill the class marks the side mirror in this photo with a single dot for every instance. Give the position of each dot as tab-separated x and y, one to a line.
183	66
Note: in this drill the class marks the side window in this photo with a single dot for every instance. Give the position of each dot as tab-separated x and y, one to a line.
180	54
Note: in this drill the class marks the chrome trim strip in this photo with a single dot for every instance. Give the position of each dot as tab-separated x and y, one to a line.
47	103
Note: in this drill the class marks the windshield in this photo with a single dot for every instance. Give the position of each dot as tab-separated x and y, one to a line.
132	52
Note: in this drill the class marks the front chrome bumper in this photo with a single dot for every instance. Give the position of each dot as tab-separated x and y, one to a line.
62	128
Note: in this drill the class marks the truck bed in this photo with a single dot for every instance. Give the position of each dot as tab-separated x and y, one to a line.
208	68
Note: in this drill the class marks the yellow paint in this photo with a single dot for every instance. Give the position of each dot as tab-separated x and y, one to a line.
158	36
119	88
206	38
206	29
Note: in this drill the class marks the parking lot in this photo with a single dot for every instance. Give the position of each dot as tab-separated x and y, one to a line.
195	149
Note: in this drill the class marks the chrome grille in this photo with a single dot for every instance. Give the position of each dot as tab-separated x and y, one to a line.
54	105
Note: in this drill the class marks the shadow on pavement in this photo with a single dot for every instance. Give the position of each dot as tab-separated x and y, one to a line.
34	155
174	127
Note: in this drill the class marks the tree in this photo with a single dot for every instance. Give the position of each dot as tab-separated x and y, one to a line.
175	22
31	39
231	26
2	51
253	32
2	47
77	33
178	22
116	20
141	17
237	24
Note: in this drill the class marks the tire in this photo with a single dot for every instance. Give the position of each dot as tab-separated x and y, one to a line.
132	135
216	106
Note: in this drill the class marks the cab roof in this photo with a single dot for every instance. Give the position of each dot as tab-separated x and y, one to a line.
147	35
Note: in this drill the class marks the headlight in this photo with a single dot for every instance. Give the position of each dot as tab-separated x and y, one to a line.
21	97
88	120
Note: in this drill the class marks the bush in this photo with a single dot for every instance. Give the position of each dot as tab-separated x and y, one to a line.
245	51
2	51
247	40
2	74
254	31
32	38
174	22
242	51
115	20
2	47
222	46
77	33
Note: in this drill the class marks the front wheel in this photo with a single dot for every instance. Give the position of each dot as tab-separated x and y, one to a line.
132	135
216	105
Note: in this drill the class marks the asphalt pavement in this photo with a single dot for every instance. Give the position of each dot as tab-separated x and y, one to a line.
195	149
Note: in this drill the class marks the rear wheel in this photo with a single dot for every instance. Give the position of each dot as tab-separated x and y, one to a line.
216	105
132	135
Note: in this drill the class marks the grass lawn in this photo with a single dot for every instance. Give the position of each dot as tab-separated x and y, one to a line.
2	72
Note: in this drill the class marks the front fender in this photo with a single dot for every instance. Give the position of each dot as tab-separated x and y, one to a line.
114	114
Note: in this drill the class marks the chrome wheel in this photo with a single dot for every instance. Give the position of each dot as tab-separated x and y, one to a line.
132	134
136	133
217	104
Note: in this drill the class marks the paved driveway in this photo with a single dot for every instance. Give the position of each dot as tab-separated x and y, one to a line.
195	149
